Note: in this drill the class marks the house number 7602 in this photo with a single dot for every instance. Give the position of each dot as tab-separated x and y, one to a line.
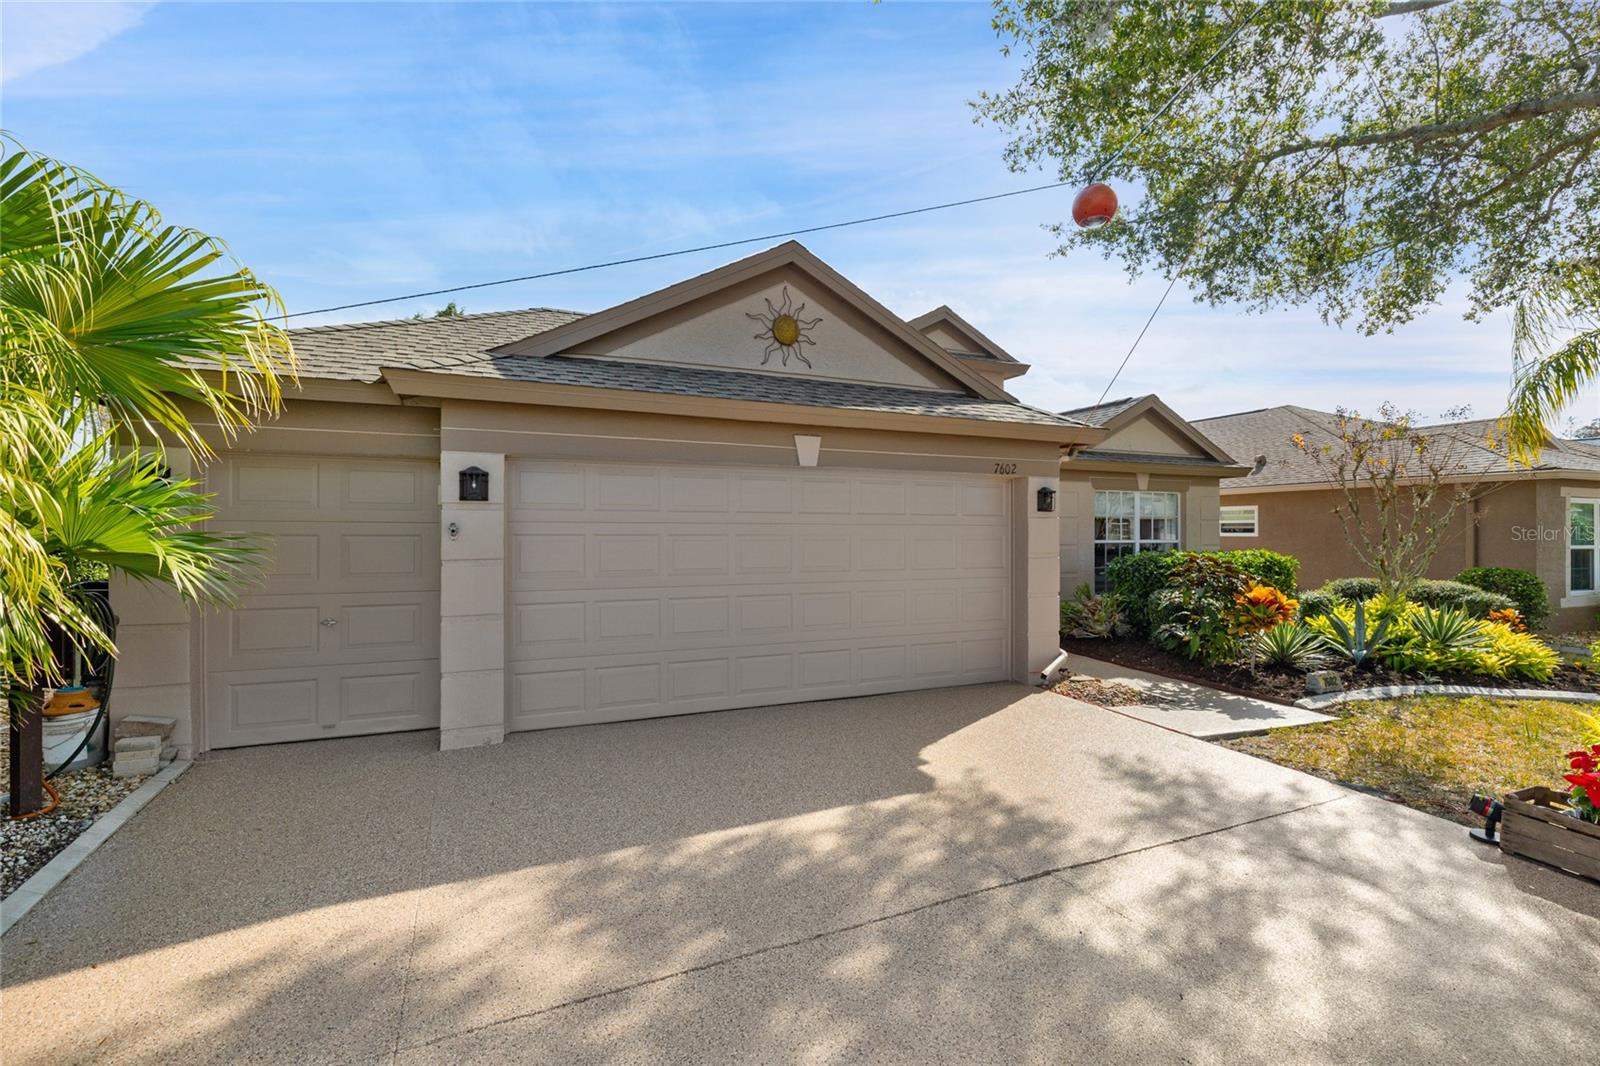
1005	468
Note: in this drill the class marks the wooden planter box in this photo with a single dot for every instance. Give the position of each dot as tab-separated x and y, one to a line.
1535	827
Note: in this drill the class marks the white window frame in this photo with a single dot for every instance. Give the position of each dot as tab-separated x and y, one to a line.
1589	594
1137	541
1255	519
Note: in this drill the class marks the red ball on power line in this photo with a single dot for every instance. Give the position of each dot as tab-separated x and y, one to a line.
1094	206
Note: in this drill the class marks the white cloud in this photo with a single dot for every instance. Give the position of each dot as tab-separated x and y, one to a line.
37	36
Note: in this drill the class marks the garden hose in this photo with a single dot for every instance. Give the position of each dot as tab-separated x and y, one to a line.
55	801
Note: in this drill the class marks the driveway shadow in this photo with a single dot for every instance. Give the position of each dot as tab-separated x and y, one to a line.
971	876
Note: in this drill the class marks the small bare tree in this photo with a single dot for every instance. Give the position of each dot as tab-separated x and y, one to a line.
1400	486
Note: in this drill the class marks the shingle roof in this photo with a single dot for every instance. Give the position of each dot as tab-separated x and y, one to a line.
1101	413
356	351
1158	458
1269	432
742	385
460	345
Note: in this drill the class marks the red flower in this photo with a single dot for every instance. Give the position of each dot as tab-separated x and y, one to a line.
1582	760
1589	782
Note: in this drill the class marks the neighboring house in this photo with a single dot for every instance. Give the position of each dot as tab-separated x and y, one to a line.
754	487
1150	485
1540	519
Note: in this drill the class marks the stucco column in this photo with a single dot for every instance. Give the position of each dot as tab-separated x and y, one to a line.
1036	596
155	630
472	605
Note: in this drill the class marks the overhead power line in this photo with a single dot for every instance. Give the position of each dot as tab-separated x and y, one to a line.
687	251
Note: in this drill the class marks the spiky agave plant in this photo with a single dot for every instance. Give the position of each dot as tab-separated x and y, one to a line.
1291	645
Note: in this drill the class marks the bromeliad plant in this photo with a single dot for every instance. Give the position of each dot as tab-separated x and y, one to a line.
1585	782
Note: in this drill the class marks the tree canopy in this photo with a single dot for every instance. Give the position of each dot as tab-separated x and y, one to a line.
1355	157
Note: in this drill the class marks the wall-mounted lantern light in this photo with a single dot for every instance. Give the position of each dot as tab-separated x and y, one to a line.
474	485
1047	499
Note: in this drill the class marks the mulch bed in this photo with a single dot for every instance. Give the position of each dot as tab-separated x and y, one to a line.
1286	686
1103	693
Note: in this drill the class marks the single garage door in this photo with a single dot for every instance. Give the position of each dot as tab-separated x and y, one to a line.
649	590
342	637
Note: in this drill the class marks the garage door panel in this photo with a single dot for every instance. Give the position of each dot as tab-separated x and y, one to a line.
645	622
274	488
341	636
294	703
304	557
614	688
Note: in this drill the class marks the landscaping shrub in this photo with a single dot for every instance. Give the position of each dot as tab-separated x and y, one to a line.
1290	645
1267	567
1196	613
1351	589
1261	607
1527	590
1314	603
1513	654
1436	640
1473	601
1135	579
1089	616
1357	630
1423	640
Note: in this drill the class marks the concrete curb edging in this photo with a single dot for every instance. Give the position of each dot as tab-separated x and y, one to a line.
35	888
1384	692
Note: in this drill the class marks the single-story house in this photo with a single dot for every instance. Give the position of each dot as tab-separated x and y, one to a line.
1540	519
756	486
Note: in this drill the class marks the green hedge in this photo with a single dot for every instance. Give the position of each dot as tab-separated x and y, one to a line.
1134	579
1474	601
1527	590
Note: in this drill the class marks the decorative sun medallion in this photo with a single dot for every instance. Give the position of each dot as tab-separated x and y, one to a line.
785	329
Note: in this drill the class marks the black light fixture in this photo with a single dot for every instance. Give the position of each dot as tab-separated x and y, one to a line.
474	485
1047	499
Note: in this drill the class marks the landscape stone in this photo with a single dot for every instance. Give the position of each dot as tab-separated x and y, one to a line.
1320	681
150	743
145	725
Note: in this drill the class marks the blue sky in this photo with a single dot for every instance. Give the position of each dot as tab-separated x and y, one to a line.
356	151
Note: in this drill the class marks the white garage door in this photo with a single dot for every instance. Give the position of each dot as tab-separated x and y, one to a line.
343	636
648	590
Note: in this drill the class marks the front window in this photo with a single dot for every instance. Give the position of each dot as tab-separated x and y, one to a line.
1580	545
1239	521
1129	522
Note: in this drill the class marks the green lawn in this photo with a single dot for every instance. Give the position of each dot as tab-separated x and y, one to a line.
1433	752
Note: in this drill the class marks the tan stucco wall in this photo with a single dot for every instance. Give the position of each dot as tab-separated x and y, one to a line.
1151	435
163	669
1197	517
1548	538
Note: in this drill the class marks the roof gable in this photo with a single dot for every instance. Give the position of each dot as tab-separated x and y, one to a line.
1147	426
954	333
725	320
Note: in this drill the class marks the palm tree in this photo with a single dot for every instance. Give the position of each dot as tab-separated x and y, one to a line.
119	335
1564	315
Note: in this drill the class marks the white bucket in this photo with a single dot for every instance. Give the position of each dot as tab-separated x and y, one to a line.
61	736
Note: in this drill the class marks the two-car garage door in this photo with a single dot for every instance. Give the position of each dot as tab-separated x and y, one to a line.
633	591
647	590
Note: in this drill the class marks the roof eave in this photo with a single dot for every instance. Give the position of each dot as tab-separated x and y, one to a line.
408	383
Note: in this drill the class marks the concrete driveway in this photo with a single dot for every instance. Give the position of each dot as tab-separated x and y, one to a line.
976	874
